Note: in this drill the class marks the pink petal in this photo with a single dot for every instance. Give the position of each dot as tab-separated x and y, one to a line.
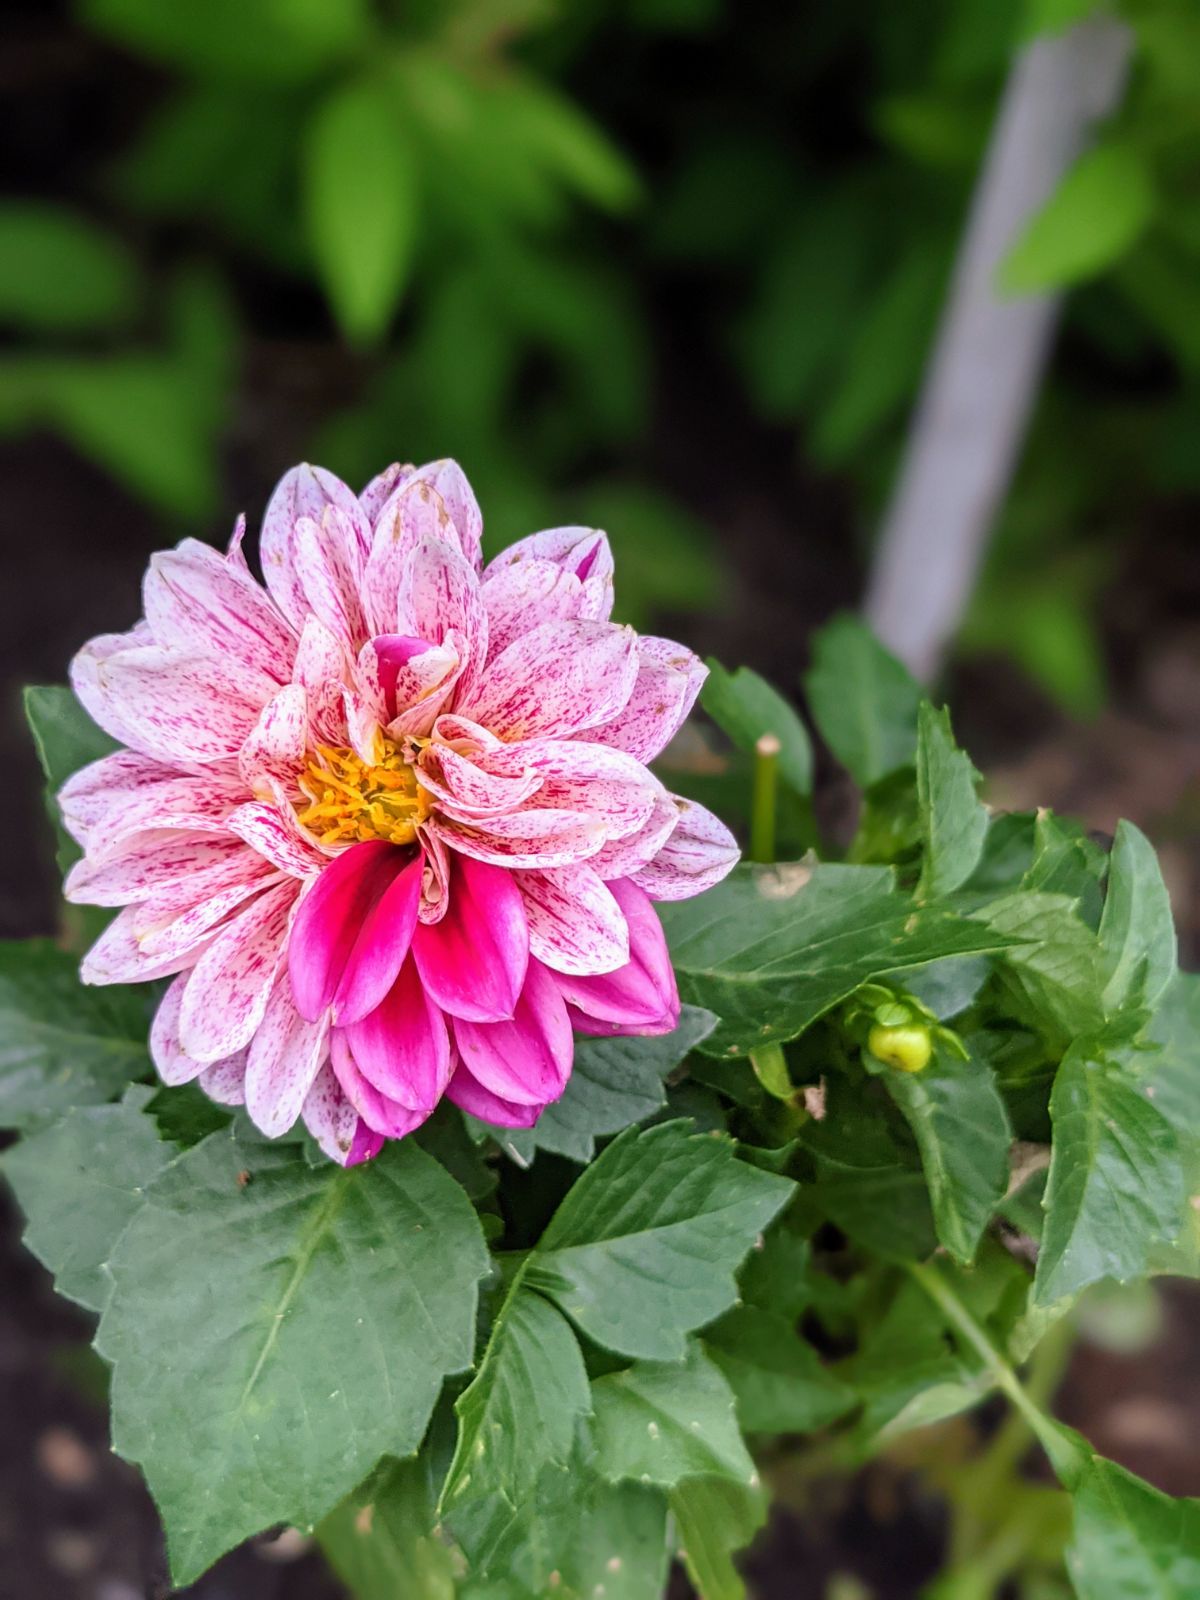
449	483
153	863
85	675
196	601
276	747
533	839
427	684
231	983
486	785
402	1048
413	512
575	924
699	852
381	488
329	1116
305	491
405	674
225	1081
379	951
117	955
95	789
584	553
621	858
527	1059
598	783
469	1095
321	671
438	595
559	678
365	1145
325	563
284	1057
473	962
197	803
668	681
171	1061
523	596
179	922
330	918
642	993
381	1114
272	831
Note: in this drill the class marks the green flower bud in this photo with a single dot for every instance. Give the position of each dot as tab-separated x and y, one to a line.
908	1049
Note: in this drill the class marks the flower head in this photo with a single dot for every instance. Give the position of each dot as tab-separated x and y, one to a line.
387	822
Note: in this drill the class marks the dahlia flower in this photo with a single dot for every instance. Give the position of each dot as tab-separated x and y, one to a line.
386	823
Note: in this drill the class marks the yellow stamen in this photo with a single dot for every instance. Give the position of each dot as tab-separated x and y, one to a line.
351	800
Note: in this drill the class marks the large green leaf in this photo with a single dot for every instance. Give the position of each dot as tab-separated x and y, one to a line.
660	1422
714	1518
863	701
380	1540
80	1182
771	949
360	200
276	1327
1137	931
746	707
62	1044
644	1246
1115	1191
1056	971
778	1380
953	820
1130	1541
61	274
961	1127
615	1083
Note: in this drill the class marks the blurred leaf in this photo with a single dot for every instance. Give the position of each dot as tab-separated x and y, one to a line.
863	701
780	1384
273	41
1131	1540
715	1518
1094	217
728	193
381	1541
945	134
1047	628
60	273
360	203
746	707
1056	16
666	558
953	819
557	135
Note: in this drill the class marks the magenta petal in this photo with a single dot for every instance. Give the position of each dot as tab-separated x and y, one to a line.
526	1059
469	1095
640	995
395	650
402	1048
365	1145
329	918
381	1114
473	962
382	944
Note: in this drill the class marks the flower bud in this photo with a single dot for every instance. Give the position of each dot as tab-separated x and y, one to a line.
907	1048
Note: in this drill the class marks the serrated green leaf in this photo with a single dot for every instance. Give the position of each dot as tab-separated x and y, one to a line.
961	1127
615	1083
1137	931
644	1246
746	707
1131	1541
863	701
1065	861
275	1328
80	1182
380	1541
63	1044
771	949
1115	1191
716	1518
1097	213
779	1383
521	1409
953	820
61	274
1056	970
660	1422
360	205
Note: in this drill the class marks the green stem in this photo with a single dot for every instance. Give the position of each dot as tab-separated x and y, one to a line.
764	799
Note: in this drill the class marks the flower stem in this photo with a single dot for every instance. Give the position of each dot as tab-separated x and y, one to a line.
765	796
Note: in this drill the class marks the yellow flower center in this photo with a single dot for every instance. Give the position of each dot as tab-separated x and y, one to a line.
351	801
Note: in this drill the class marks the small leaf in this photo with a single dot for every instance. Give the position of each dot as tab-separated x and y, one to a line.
953	821
61	274
1137	931
360	202
644	1246
715	1518
275	1328
1131	1540
662	1422
746	707
80	1182
380	1541
777	1378
1097	213
863	701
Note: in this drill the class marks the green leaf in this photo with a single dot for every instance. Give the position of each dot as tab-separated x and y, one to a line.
60	274
863	701
771	949
644	1246
746	707
1065	861
275	1328
1097	213
1137	931
360	204
715	1518
961	1127
521	1409
1056	971
61	1044
79	1183
1115	1190
778	1380
953	820
662	1422
615	1083
381	1542
1130	1540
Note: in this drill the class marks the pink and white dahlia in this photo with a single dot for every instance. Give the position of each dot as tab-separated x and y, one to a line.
387	822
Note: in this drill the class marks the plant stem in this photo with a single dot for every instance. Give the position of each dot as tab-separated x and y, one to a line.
763	802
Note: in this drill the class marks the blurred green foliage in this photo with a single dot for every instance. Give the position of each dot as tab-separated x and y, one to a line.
501	202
